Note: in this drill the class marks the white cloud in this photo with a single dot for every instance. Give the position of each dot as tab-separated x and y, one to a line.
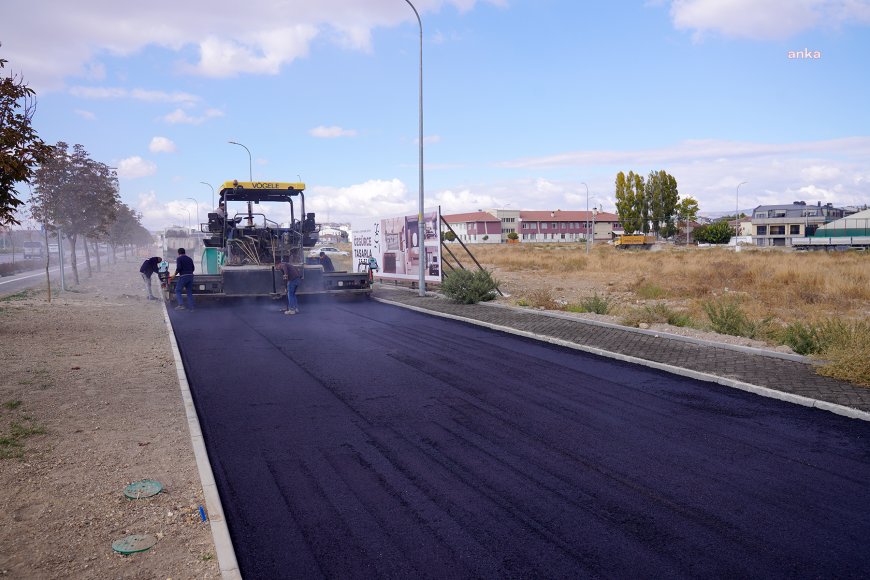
373	197
179	116
136	167
85	114
161	145
765	19
331	132
137	94
268	37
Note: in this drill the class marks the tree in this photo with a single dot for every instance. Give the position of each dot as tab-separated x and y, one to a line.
76	194
688	208
662	198
716	233
21	149
630	202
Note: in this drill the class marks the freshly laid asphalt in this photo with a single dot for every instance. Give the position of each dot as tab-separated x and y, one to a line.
363	440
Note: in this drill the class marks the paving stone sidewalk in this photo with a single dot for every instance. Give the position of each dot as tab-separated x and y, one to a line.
793	375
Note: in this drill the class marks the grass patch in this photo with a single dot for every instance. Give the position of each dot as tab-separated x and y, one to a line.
12	438
727	317
23	295
540	298
595	304
657	314
649	291
13	404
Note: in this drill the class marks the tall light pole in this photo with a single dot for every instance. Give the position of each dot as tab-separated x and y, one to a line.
587	216
250	164
212	192
421	226
594	213
197	208
737	210
250	178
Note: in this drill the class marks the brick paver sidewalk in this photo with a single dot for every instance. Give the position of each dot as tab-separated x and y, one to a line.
790	375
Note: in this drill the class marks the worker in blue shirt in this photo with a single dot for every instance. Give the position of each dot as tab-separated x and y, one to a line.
184	279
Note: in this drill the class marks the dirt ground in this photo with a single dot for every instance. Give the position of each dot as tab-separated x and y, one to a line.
89	403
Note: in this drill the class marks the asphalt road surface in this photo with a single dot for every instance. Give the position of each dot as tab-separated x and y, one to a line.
361	440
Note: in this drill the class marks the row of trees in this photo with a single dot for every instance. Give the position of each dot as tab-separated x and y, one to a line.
651	205
78	196
72	194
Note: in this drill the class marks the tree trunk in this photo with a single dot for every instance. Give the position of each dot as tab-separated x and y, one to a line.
72	257
97	255
87	256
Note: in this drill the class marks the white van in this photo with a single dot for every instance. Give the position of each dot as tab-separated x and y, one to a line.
32	250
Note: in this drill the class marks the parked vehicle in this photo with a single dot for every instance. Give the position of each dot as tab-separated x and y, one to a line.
328	250
32	250
634	241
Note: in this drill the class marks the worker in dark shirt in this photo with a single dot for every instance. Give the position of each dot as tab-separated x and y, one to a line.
326	262
184	279
292	276
149	267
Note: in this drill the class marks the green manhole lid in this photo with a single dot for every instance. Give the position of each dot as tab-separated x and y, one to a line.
134	543
143	488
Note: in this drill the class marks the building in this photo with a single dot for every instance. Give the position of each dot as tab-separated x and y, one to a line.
477	227
566	226
778	225
495	225
852	231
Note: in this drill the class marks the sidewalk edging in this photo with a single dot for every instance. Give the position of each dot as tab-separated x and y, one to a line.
223	544
759	390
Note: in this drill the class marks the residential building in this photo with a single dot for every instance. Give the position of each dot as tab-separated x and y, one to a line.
777	225
477	227
509	219
532	226
566	226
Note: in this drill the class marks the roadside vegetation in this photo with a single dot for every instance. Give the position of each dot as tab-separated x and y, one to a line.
817	303
15	428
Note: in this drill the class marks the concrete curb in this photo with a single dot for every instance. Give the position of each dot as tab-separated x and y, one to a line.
223	544
759	390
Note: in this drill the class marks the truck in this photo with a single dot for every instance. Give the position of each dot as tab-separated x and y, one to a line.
638	241
261	225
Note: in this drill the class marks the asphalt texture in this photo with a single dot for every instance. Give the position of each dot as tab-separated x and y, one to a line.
362	440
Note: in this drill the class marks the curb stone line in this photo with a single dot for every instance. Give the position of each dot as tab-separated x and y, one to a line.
756	389
223	544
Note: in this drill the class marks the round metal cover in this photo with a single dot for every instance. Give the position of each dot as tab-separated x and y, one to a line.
143	488
134	543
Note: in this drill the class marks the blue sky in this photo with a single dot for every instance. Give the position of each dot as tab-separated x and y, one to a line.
525	101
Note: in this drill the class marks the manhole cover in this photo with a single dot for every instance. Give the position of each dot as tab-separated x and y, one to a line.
143	488
134	543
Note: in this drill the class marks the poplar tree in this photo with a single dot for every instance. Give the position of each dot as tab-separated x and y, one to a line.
631	202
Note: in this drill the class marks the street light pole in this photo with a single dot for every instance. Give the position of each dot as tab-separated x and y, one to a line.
250	165
587	216
421	225
737	210
212	192
250	178
197	208
594	212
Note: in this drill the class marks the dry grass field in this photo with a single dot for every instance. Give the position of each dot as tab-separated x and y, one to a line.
817	303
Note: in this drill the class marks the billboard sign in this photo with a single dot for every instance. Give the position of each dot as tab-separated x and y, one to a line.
395	245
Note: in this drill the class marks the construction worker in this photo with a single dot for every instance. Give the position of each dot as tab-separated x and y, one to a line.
184	273
292	276
326	262
149	267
